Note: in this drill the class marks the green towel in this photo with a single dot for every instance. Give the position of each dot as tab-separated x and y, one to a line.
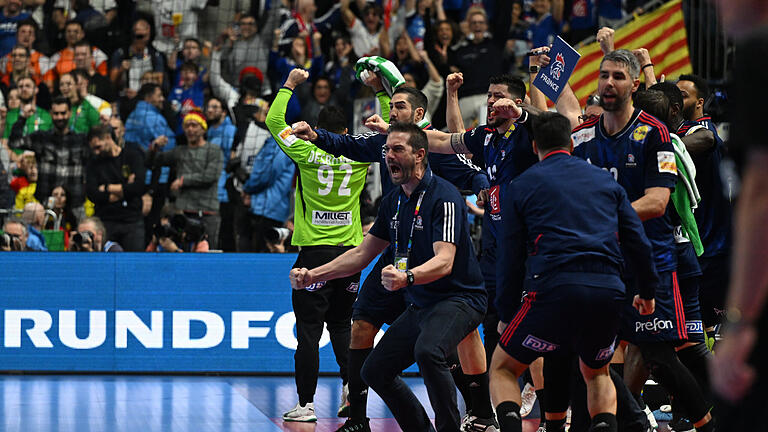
391	78
681	198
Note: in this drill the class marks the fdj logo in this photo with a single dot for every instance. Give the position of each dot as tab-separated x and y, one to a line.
653	326
694	327
539	345
558	66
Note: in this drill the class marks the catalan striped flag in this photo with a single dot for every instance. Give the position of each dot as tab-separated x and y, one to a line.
661	32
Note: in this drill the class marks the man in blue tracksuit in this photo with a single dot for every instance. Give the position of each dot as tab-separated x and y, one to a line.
375	305
564	220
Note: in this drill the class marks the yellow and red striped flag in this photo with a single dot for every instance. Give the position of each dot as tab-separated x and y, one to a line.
661	32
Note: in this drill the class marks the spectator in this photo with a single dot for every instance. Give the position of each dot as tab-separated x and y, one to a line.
91	236
177	233
517	39
25	37
37	119
34	217
174	21
20	67
303	23
26	184
299	57
82	83
84	115
366	32
64	215
221	132
10	17
99	84
129	64
192	51
6	193
476	49
198	166
268	195
342	65
582	21
187	96
406	58
61	154
548	23
113	183
610	13
246	48
18	237
64	60
322	95
439	45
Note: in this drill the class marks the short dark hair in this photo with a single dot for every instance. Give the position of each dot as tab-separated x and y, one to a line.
26	50
417	138
195	40
654	102
673	93
99	131
515	86
189	66
28	22
322	78
83	43
77	23
551	131
699	83
61	100
332	119
80	73
415	97
146	90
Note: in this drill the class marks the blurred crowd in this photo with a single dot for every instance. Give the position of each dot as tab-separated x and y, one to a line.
139	125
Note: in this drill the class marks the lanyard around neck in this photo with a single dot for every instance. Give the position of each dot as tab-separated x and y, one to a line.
413	223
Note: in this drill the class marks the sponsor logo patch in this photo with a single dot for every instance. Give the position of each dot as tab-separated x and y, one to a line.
583	136
419	223
287	136
315	286
640	133
654	326
353	287
667	162
606	353
539	345
694	327
327	218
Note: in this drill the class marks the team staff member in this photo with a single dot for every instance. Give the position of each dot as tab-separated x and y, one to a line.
327	224
425	220
636	149
375	305
567	269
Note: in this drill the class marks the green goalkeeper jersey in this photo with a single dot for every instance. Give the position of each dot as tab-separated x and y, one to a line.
327	208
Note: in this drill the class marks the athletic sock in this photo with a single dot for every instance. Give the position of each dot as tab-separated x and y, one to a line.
540	398
556	425
461	382
604	422
304	400
358	391
508	415
480	394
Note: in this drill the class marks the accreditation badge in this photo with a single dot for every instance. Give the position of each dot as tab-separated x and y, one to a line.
401	262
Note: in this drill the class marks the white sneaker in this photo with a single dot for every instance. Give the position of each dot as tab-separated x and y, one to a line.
300	413
529	398
651	419
344	405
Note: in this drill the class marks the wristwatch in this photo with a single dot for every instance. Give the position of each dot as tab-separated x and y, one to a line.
409	277
533	69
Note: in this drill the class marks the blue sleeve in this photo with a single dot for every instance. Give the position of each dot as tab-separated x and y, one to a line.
117	58
475	140
362	148
510	259
448	218
316	69
460	171
328	21
660	167
636	246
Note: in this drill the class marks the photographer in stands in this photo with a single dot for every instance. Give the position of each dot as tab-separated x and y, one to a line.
179	233
91	237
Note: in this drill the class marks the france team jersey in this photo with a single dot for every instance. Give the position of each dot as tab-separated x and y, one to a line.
713	216
504	157
640	156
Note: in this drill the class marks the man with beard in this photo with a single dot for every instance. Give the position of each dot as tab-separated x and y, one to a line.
425	219
198	167
61	153
221	132
636	149
113	184
84	115
375	305
36	118
715	214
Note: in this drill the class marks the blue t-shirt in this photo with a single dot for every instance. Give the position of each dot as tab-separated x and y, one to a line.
442	217
610	9
583	15
504	157
640	156
542	32
8	28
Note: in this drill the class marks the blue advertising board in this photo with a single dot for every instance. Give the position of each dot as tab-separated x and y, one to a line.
146	312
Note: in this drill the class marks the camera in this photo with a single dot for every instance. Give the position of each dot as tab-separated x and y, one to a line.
181	230
80	238
277	235
10	242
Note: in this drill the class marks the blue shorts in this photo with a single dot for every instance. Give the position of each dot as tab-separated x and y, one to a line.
689	291
578	318
666	324
374	303
713	287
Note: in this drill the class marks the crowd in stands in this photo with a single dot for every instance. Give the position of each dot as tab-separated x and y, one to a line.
139	125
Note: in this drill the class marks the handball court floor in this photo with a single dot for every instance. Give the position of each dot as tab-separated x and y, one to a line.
148	403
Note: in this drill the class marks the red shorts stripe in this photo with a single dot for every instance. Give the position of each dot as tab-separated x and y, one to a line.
682	330
510	330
